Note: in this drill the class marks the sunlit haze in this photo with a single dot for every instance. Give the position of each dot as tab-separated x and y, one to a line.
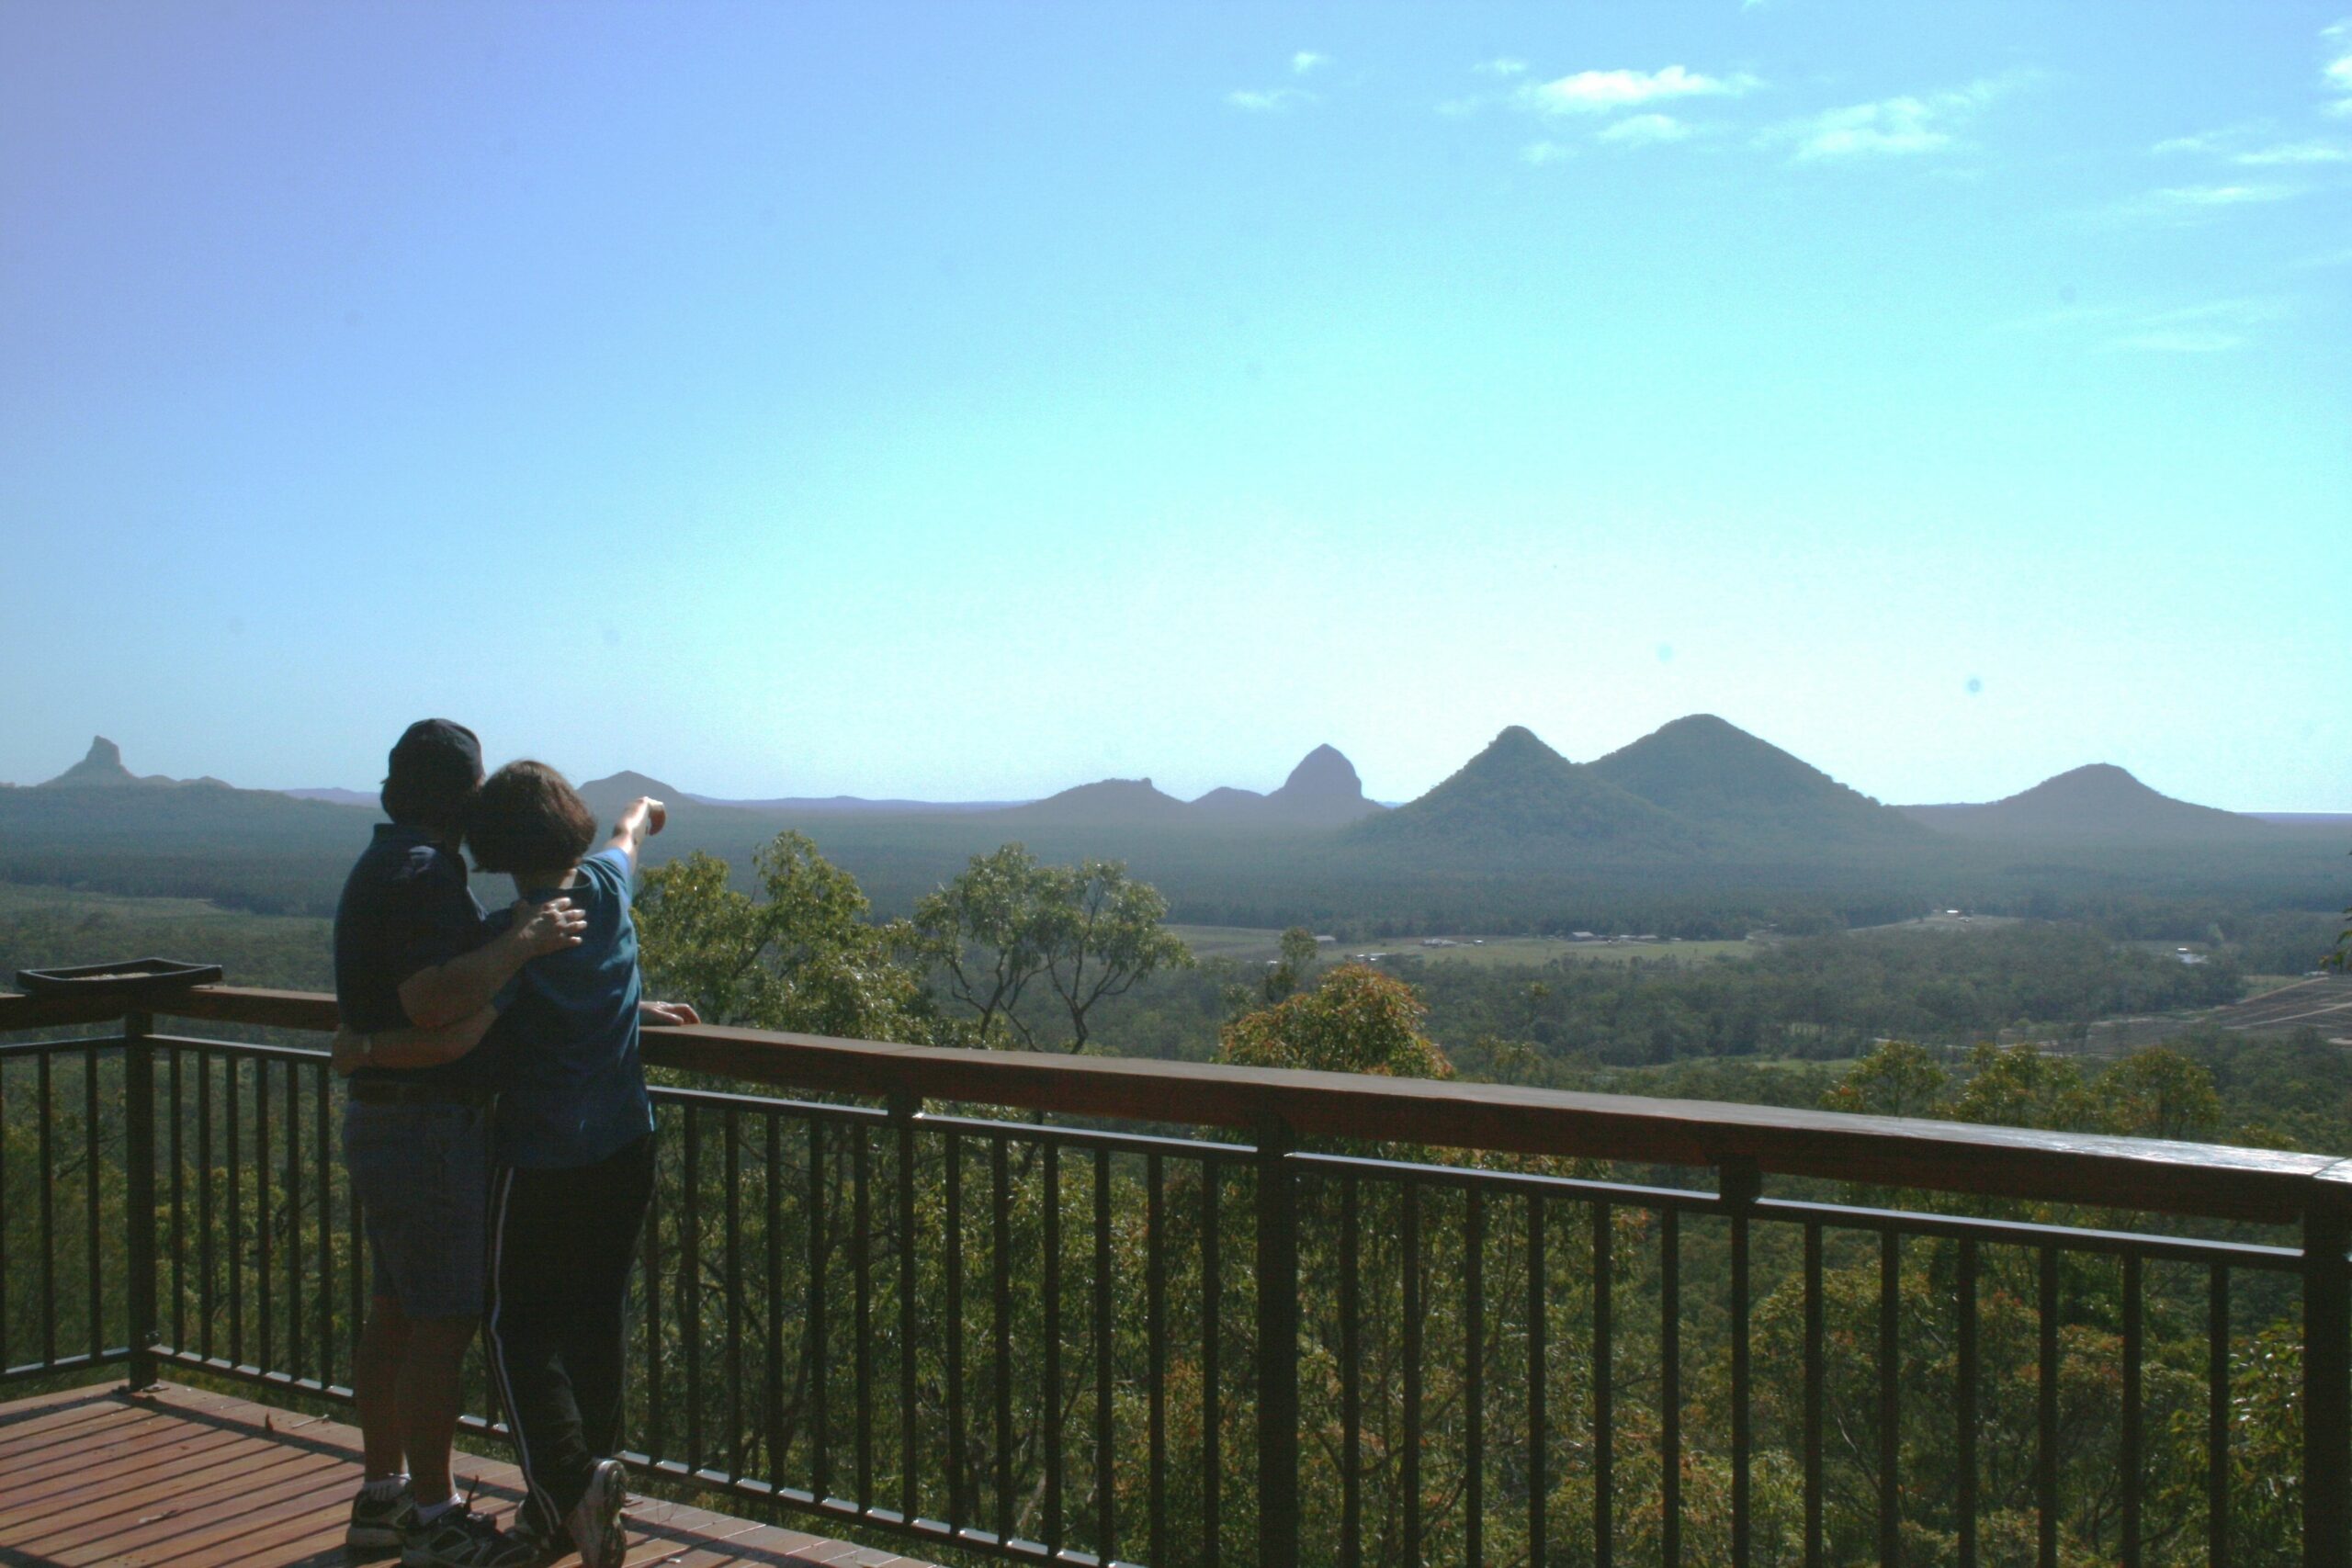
969	401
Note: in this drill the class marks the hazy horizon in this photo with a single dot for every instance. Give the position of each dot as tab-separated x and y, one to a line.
969	402
685	782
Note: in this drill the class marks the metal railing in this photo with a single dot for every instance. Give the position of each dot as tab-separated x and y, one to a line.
1397	1324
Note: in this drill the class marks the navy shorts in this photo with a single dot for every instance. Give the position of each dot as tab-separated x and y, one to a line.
421	1174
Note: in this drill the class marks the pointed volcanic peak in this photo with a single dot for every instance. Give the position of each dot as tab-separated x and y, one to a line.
1518	795
2097	802
1322	791
1323	788
1745	789
102	768
1107	800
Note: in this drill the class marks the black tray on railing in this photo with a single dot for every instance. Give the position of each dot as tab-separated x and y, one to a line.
131	977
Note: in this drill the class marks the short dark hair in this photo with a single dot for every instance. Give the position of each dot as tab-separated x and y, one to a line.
430	779
525	818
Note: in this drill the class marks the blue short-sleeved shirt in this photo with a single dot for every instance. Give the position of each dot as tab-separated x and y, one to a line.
405	907
574	1087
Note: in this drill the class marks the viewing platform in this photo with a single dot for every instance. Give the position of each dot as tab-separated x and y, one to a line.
1089	1309
99	1477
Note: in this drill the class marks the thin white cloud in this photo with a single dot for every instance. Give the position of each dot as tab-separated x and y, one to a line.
2178	343
2215	327
2295	153
1307	61
1501	66
1644	131
2336	75
1539	153
2197	198
1272	100
1606	92
1890	127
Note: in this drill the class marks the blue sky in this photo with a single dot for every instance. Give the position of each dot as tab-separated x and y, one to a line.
966	401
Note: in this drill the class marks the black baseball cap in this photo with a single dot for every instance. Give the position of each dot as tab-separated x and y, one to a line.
435	769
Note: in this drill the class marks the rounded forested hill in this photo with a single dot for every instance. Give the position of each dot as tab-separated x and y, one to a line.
2097	802
1742	789
1520	797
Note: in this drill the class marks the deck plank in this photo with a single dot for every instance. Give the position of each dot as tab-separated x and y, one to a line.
184	1478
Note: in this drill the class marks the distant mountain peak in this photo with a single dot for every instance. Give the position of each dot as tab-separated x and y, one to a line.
101	768
1517	792
2098	800
1714	773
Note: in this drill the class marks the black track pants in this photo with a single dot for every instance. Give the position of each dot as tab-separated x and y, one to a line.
560	1246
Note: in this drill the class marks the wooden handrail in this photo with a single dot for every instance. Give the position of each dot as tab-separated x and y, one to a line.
2145	1174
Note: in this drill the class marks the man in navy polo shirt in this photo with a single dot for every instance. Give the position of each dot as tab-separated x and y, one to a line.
413	953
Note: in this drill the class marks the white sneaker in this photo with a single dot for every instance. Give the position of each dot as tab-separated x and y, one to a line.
595	1522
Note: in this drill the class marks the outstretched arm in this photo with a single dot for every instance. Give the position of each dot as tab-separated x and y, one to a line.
449	992
643	818
411	1047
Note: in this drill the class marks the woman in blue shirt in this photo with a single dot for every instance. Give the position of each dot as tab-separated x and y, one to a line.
574	1153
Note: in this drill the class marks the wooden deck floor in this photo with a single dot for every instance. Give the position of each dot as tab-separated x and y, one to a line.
99	1478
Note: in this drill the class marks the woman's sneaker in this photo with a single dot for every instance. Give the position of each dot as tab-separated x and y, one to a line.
463	1539
595	1521
379	1526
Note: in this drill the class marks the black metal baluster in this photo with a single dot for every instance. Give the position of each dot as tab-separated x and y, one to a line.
959	1494
265	1357
91	1199
6	1360
179	1216
1212	1405
1473	1376
731	1164
690	1291
2045	1464
1890	1381
322	1198
820	1435
656	1427
909	1492
294	1316
1051	1412
1000	1280
1669	1398
1410	1460
1965	1397
2132	1458
1740	1183
1351	1380
1814	1372
2217	1418
47	1138
1538	1472
861	1252
230	1096
1105	1494
1156	1350
772	1379
203	1297
1604	1415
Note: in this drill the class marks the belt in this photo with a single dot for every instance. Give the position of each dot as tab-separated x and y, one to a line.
381	1091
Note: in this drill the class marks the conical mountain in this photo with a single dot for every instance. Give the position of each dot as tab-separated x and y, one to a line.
1518	795
101	768
1745	790
2100	801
